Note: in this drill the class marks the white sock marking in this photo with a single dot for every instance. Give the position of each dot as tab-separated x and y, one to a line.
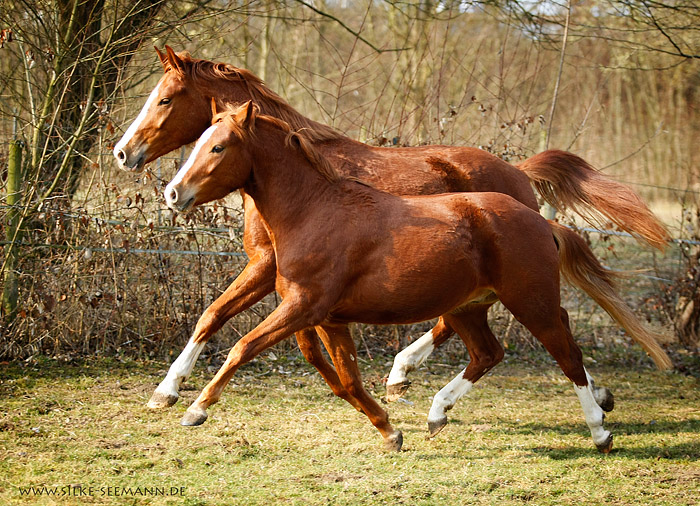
410	358
137	122
592	412
180	369
448	396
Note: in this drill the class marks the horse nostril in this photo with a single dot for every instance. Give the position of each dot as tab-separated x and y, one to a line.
121	156
171	195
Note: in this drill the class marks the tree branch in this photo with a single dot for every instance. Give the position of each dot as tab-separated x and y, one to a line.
348	29
656	24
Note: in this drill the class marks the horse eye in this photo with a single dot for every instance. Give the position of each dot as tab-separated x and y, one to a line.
217	149
164	101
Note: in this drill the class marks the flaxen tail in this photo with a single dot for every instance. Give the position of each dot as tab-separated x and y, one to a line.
567	181
581	268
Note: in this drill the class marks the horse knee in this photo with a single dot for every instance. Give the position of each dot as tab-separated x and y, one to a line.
207	325
483	363
353	388
497	356
441	332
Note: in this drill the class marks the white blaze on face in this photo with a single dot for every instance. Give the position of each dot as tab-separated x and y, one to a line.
190	161
137	122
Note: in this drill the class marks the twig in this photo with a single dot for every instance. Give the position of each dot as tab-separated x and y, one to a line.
348	29
651	138
561	66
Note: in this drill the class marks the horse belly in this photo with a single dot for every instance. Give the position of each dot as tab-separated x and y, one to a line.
414	295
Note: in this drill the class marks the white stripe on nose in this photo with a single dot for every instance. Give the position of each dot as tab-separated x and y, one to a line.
136	124
170	192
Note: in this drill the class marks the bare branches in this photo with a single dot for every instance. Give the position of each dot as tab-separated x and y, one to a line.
665	33
347	28
496	74
631	22
565	39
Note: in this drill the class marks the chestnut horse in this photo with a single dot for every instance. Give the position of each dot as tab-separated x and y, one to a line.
347	252
177	112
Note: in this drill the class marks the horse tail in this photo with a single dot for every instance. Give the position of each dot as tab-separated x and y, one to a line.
581	268
567	181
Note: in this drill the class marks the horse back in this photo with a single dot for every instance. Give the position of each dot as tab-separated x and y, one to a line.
428	170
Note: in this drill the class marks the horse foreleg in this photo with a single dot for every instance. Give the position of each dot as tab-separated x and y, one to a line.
485	352
310	347
288	318
167	392
411	357
341	347
255	281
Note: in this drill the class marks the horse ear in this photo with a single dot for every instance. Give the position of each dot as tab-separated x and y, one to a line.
213	108
163	58
174	60
245	115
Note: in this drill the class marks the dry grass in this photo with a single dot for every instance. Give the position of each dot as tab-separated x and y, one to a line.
278	436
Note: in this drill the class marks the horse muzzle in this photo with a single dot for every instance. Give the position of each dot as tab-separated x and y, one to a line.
130	161
178	199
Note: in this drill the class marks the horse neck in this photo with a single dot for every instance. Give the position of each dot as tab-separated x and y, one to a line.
239	91
283	183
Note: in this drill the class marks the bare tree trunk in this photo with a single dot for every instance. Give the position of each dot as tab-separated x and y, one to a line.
10	292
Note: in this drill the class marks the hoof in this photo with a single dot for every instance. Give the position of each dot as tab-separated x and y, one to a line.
193	418
605	446
394	442
160	400
604	398
395	392
434	427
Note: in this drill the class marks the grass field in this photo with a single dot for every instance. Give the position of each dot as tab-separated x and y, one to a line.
278	436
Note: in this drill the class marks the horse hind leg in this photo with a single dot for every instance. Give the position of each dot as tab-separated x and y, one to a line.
553	331
411	357
595	417
485	352
603	397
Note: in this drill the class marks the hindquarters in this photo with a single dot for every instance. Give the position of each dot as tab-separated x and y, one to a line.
518	250
430	170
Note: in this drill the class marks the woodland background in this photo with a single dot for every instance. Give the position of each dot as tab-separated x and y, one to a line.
92	262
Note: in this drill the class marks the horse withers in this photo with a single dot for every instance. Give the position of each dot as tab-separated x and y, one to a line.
347	252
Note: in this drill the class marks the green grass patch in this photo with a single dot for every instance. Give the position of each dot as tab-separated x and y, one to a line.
282	438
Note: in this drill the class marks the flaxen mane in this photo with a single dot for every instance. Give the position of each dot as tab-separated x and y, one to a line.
270	103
